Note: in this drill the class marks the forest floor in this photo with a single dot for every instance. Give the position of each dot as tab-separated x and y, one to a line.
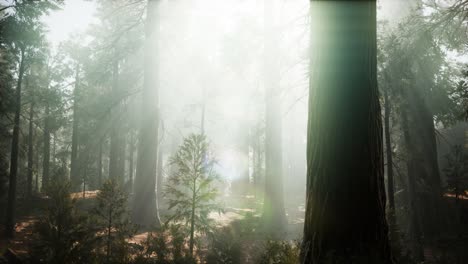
236	209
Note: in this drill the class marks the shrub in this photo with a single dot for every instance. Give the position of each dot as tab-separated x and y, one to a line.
62	234
280	252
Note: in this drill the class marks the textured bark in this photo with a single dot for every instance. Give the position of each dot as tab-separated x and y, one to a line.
273	207
75	178
345	199
145	210
10	212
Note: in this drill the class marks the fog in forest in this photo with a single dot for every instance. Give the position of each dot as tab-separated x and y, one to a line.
235	131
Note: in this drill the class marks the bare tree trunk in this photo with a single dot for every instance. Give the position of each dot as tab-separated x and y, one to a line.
345	199
10	212
36	162
203	110
273	207
426	169
46	149
74	170
192	218
389	155
159	180
414	210
115	135
30	150
145	206
131	160
99	165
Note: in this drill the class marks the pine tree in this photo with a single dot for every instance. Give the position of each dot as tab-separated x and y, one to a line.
190	190
113	222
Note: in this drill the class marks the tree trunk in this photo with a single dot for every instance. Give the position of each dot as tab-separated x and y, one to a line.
414	212
46	150
345	198
130	161
84	180
114	150
109	230
258	164
99	165
145	207
426	168
30	150
36	162
74	170
159	180
389	155
115	156
273	207
192	218
10	212
203	110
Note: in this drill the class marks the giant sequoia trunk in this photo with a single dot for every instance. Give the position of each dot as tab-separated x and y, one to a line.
273	207
345	203
145	210
10	212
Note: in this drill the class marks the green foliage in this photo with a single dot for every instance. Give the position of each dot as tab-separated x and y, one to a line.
112	224
190	190
460	94
225	247
165	246
280	252
62	234
456	171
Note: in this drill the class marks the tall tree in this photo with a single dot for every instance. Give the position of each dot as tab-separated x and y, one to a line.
273	206
345	198
30	141
75	178
46	146
191	188
116	159
145	206
389	156
411	174
10	214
